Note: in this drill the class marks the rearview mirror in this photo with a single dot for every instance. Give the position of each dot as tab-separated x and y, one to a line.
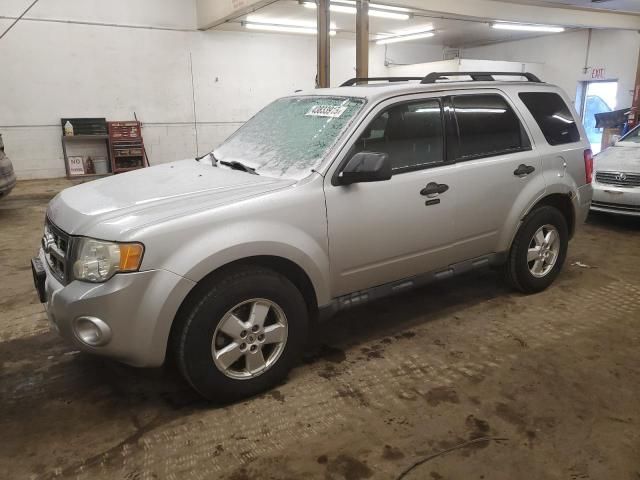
366	167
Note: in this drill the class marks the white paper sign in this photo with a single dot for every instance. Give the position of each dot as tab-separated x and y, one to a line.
76	166
326	111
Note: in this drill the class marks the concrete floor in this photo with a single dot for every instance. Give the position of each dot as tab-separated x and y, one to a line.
555	376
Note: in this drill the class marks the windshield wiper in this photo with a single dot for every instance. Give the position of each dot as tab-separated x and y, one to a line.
235	165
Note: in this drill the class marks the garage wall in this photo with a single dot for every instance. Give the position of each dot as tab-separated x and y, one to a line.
563	56
157	13
53	69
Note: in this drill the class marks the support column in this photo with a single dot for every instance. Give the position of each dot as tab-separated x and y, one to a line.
324	47
362	38
635	106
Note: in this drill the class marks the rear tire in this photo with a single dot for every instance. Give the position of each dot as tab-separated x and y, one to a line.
539	250
241	333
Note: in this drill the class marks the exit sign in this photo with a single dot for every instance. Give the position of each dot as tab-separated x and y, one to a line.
597	73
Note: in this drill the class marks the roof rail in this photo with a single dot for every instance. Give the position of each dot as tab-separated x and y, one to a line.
478	76
354	81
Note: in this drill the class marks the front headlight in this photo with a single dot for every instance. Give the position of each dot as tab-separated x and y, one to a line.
98	261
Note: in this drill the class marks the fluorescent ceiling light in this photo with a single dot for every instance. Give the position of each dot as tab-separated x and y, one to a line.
283	29
380	11
404	38
526	28
392	15
283	25
407	31
285	21
343	9
377	6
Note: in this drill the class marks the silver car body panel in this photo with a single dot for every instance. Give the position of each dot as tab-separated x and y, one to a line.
194	218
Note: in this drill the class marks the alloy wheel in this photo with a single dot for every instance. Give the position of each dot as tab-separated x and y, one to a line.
249	339
543	251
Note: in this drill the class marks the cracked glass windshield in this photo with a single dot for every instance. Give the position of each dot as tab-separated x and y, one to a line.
291	135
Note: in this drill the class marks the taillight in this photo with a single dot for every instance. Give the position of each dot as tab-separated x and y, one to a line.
588	165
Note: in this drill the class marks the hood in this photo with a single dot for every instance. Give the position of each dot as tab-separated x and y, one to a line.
619	158
136	199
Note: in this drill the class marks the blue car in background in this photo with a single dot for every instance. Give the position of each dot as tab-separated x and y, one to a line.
594	104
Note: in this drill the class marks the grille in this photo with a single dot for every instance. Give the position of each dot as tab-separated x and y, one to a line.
623	179
55	244
617	206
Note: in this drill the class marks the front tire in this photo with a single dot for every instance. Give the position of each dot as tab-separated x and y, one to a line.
242	333
538	251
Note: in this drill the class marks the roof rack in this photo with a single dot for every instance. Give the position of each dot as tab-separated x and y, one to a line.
433	77
478	76
354	81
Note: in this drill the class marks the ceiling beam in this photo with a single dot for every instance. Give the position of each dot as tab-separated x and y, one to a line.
212	13
517	12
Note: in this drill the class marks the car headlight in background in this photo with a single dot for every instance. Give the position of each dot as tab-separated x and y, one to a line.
98	261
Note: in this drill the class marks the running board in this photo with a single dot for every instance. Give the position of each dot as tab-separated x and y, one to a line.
361	297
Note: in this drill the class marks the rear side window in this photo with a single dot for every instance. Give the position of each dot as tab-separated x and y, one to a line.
553	117
487	126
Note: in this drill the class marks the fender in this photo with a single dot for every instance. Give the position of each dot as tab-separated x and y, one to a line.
237	241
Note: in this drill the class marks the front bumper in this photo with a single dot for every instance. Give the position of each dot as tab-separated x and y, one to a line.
138	308
614	199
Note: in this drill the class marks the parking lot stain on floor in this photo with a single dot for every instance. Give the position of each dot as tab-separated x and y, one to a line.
383	387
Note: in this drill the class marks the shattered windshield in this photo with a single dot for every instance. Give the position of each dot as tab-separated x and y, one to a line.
291	135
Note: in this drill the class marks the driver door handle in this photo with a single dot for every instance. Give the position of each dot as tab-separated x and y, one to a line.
434	189
523	170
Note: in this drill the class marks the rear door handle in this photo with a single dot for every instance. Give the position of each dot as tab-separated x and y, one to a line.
523	170
434	189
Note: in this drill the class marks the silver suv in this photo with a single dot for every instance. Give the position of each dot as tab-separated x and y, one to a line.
322	201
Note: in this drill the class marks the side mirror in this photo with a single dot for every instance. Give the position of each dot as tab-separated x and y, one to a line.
366	167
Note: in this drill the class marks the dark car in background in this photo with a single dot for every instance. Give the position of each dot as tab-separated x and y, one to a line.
7	175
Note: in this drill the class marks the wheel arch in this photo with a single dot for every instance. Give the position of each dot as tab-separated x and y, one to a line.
563	203
284	266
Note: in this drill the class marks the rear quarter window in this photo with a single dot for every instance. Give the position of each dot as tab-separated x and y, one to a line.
553	116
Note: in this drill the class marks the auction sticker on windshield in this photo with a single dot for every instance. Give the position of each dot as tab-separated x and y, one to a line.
326	111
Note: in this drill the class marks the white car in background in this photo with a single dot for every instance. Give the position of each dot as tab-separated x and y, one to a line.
616	186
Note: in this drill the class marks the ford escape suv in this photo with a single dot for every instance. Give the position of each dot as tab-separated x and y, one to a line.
322	201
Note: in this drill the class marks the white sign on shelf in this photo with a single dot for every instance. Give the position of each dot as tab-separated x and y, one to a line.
76	166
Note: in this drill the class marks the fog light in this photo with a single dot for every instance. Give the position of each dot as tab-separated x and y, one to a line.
92	331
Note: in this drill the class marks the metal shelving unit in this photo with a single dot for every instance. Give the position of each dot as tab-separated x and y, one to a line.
85	130
126	146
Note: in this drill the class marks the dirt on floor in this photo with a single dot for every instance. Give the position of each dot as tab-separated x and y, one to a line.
464	379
